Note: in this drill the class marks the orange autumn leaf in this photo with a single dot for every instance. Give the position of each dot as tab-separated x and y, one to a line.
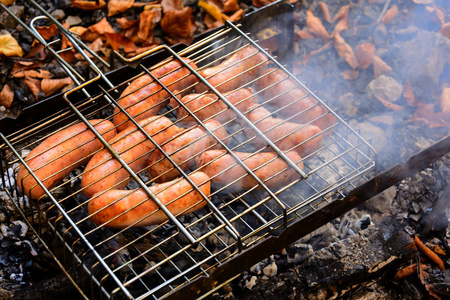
325	12
119	6
438	250
237	15
33	73
37	51
141	50
78	30
6	96
350	74
304	34
211	23
95	46
364	54
34	85
168	5
440	14
342	13
47	32
445	30
390	14
315	26
425	115
408	94
68	54
118	40
148	19
444	100
380	67
124	23
389	104
261	3
213	10
51	86
179	23
345	51
9	46
102	27
89	5
226	6
7	2
341	25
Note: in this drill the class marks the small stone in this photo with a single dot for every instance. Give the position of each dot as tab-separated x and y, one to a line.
383	201
58	14
385	87
348	106
8	22
73	21
270	270
251	283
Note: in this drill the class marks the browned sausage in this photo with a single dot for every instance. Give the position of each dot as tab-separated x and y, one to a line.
144	97
104	172
110	208
240	68
272	170
183	150
60	154
285	135
283	92
206	106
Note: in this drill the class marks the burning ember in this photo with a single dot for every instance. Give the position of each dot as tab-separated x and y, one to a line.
384	65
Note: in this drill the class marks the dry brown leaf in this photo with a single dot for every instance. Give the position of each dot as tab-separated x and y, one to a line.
33	73
47	32
68	54
261	3
341	25
342	13
408	94
321	49
389	104
325	12
425	115
237	15
51	86
6	96
350	74
345	51
95	46
304	34
79	30
118	40
89	5
7	2
315	26
102	27
148	19
125	24
168	5
210	22
440	14
380	67
9	46
423	1
213	10
141	50
179	23
226	6
34	85
390	14
364	54
444	100
119	6
37	51
445	30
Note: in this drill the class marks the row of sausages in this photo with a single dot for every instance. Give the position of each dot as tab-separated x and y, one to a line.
104	178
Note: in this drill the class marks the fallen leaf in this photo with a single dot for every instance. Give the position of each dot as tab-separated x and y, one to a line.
51	86
179	23
47	32
425	115
9	46
345	51
438	250
380	67
364	54
32	73
7	2
321	49
124	23
423	1
342	13
445	30
444	100
6	96
315	26
118	40
89	5
66	53
95	46
141	50
350	74
305	34
102	27
408	94
341	25
261	3
210	22
237	15
325	12
390	14
34	85
78	30
168	5
37	51
119	6
226	6
148	19
213	10
389	104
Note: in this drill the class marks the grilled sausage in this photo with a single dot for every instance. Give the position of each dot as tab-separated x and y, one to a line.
183	150
283	93
305	139
242	67
144	97
60	154
104	171
272	170
111	208
206	106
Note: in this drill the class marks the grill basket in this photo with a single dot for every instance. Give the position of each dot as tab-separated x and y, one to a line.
174	258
